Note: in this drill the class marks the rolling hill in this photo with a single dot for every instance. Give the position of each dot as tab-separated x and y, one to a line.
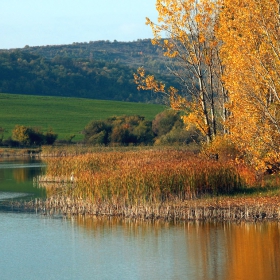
97	70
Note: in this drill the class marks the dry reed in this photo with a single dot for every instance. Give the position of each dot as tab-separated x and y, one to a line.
220	210
144	176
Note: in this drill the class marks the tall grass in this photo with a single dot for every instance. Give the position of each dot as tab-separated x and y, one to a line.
146	176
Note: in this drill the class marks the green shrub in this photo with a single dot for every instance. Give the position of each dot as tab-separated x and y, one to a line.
120	130
97	132
164	122
28	136
170	129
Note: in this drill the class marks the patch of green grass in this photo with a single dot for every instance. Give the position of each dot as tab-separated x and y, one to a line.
66	116
268	188
257	191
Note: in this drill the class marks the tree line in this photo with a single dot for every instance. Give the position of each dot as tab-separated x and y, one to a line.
132	54
167	128
26	136
25	73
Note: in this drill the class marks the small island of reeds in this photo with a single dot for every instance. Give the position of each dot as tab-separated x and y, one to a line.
153	183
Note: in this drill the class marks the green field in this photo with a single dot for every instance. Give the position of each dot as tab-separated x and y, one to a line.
66	116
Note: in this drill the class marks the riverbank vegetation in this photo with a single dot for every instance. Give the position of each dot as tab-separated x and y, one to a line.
148	175
155	183
144	178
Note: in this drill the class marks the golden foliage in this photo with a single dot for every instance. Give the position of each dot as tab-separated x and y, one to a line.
224	148
189	30
148	82
231	50
20	133
251	52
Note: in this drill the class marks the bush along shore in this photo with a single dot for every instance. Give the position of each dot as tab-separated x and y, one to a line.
163	184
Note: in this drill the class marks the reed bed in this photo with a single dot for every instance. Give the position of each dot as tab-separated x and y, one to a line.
19	152
145	176
67	150
150	184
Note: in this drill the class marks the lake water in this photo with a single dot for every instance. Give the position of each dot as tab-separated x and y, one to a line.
33	246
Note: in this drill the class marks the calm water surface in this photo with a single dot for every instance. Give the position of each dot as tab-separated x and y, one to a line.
33	246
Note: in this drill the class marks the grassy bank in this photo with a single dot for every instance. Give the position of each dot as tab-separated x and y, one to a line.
66	116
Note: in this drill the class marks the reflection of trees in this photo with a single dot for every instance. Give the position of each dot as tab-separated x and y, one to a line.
20	174
231	251
206	249
254	251
199	245
12	166
202	250
24	174
129	227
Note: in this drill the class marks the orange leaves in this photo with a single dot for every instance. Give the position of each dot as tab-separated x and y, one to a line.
251	53
177	102
189	27
231	51
147	82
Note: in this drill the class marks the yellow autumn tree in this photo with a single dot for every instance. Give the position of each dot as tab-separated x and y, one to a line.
21	134
186	32
250	32
227	57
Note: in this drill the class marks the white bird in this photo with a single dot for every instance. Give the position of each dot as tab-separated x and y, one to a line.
72	177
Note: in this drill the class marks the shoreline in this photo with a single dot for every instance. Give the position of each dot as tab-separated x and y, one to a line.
171	204
19	152
190	210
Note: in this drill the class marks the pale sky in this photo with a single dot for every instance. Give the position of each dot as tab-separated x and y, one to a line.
55	22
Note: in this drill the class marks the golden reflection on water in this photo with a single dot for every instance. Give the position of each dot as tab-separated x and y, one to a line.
21	174
20	168
235	251
254	250
211	250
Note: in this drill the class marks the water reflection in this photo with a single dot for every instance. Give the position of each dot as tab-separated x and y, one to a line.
254	250
111	248
198	250
16	176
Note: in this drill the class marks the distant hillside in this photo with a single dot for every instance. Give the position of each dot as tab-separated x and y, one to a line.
133	54
99	70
